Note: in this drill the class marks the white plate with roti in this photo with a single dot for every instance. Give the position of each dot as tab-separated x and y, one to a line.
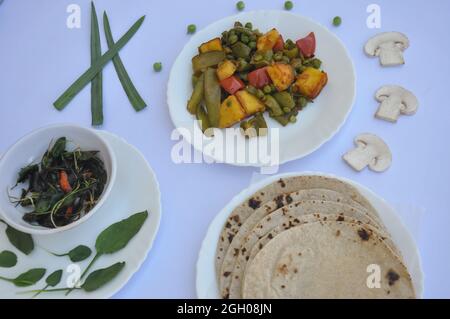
308	235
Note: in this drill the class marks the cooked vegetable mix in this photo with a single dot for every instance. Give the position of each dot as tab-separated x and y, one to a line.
245	73
62	187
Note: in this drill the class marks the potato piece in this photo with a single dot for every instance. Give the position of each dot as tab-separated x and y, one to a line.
267	41
231	112
310	82
249	102
282	75
212	45
225	69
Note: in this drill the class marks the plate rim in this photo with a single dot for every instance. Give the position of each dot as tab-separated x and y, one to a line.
172	77
253	187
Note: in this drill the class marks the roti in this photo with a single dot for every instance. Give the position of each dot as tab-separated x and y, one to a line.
282	186
327	259
285	218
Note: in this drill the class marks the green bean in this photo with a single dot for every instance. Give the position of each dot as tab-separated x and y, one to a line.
90	73
212	93
203	118
302	102
255	126
260	94
251	89
130	90
284	99
205	60
197	95
272	104
291	53
241	50
96	83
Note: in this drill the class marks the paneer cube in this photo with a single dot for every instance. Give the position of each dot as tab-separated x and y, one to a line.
267	41
231	112
212	45
282	75
225	69
249	102
311	82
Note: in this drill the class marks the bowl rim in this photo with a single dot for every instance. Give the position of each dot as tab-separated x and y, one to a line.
37	230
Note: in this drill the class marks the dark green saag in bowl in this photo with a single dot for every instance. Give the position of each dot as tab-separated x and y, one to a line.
62	187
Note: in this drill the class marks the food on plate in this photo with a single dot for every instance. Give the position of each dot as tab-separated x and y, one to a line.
389	47
395	100
62	187
243	74
291	226
370	151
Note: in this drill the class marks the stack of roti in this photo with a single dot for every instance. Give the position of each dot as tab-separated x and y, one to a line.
309	237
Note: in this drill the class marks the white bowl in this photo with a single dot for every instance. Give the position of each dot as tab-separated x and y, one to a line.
29	149
316	124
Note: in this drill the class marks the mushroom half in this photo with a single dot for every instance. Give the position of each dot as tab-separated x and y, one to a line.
370	151
395	100
389	47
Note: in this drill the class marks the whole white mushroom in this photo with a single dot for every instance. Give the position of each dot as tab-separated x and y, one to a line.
395	100
370	151
389	47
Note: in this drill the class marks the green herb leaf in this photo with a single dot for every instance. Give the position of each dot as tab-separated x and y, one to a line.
96	83
79	253
59	147
23	242
133	95
54	278
28	278
117	236
89	74
26	171
100	277
8	259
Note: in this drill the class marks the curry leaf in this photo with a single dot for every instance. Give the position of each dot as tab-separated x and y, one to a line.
23	242
27	278
77	254
54	278
117	236
101	277
8	259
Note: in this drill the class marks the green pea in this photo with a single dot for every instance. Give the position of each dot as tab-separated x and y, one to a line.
302	101
252	45
260	94
257	57
157	66
237	24
278	56
267	89
292	119
316	63
337	21
240	5
191	28
288	5
286	109
233	39
249	25
244	38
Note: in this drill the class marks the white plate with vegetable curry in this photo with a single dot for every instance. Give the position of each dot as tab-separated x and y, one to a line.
250	67
121	233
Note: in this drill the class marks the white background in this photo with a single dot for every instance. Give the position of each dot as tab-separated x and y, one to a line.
40	57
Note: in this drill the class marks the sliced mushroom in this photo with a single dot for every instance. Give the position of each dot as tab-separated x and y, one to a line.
389	47
395	100
370	151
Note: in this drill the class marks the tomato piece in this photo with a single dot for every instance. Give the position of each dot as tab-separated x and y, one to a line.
307	45
279	45
232	84
258	78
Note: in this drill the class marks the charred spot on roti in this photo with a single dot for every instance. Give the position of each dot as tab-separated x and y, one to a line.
338	233
289	199
295	270
363	234
282	183
236	252
254	203
283	286
226	273
243	250
283	269
279	201
236	218
392	277
268	219
230	237
340	218
260	245
270	236
228	225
